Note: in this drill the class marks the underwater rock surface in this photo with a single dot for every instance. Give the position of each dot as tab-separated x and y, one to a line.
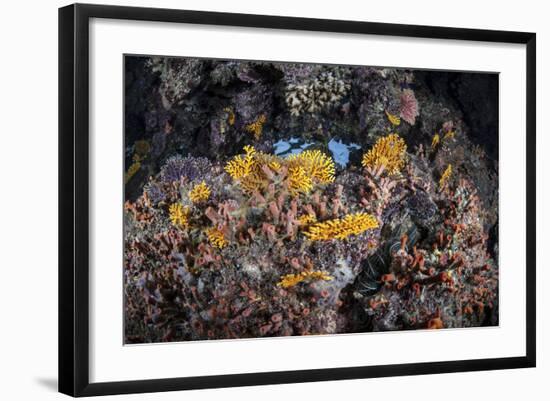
278	199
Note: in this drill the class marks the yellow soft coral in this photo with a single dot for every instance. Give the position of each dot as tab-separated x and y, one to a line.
445	176
449	135
435	141
316	164
265	159
179	215
216	238
306	219
393	119
248	169
290	280
240	166
303	170
199	193
299	180
352	224
389	152
257	126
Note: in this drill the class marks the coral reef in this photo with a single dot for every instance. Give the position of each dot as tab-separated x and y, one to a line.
241	220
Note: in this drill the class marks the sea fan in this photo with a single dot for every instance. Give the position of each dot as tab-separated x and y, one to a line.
190	168
409	106
155	193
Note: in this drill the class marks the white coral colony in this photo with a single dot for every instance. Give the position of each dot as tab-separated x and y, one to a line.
315	95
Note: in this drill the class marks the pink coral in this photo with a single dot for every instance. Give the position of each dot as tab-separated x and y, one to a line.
409	106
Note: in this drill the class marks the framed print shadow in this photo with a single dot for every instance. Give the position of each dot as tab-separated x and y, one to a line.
236	211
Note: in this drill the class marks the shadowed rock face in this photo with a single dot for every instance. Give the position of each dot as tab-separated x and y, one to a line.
431	262
475	96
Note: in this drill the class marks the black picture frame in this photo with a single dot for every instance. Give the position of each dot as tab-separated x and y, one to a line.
74	198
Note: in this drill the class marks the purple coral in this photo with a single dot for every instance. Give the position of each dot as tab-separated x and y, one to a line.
154	192
409	106
190	168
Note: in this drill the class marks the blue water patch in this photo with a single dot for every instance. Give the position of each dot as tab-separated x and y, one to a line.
340	151
292	146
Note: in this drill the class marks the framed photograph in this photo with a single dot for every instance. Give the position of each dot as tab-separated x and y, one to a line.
250	199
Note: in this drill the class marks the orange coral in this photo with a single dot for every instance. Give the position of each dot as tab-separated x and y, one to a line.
435	323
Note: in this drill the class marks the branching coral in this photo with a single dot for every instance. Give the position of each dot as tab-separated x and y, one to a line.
240	167
306	219
249	170
316	165
299	180
255	170
216	238
352	224
257	126
179	215
199	193
388	152
291	280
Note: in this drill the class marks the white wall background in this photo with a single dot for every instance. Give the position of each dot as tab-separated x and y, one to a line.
28	198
